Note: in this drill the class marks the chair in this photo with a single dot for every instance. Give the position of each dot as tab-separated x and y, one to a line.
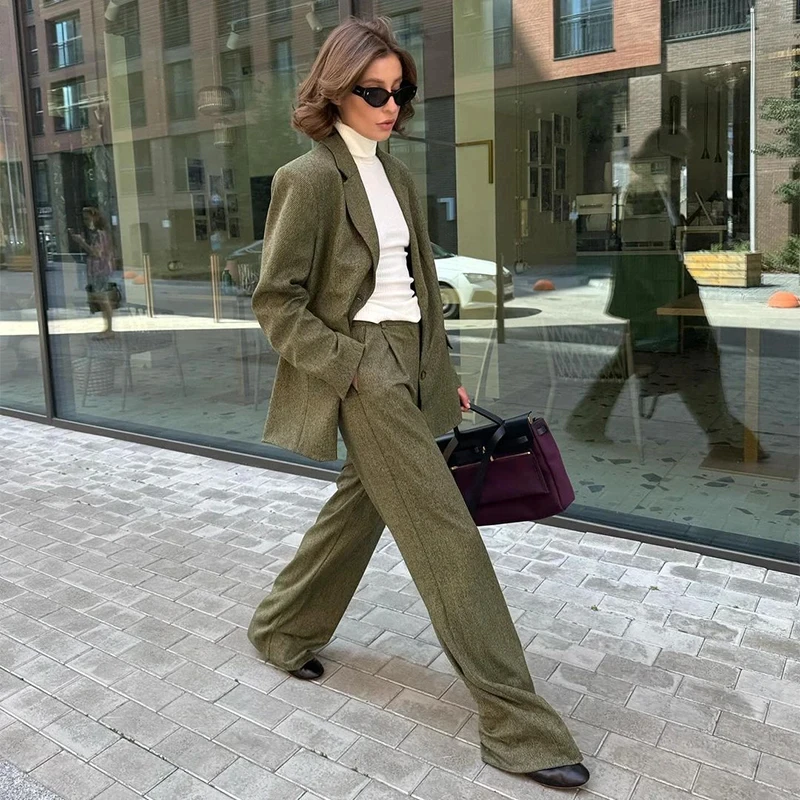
593	354
119	349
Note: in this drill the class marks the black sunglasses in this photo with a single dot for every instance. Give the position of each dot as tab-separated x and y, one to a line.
378	97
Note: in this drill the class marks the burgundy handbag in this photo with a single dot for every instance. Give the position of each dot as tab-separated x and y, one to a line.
508	471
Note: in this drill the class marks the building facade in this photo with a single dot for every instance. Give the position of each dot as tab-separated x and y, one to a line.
597	161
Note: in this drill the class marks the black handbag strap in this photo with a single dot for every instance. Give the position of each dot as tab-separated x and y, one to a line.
474	497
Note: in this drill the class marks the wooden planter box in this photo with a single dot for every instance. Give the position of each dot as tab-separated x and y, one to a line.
724	268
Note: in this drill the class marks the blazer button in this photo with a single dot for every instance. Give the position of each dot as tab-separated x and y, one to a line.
422	375
359	298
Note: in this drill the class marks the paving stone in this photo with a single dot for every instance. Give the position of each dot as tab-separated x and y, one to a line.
650	761
439	785
201	681
388	728
376	791
89	697
58	646
459	695
246	781
422	708
258	674
139	724
80	735
784	691
306	695
118	792
648	789
594	619
748	619
133	766
384	764
746	705
316	735
783	594
624	648
702	668
354	655
101	667
626	721
362	686
9	684
181	785
147	690
593	683
640	674
720	785
767	738
257	744
635	610
322	775
709	750
743	658
779	772
413	676
766	642
152	658
567	652
193	753
675	709
34	707
779	610
198	715
21	627
393	644
71	778
443	751
784	716
24	747
664	637
109	639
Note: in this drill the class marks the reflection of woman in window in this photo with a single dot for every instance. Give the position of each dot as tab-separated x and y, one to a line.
103	294
349	298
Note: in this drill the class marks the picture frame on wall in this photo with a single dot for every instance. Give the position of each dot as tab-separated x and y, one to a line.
560	178
557	128
232	202
233	228
545	188
195	175
199	204
567	130
228	179
533	147
545	141
533	181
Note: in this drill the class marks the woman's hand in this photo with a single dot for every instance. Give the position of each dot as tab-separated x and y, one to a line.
464	398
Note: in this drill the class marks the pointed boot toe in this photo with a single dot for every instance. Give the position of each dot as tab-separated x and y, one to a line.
310	671
566	777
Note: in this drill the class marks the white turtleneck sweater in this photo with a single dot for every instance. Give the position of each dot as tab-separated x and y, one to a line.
393	298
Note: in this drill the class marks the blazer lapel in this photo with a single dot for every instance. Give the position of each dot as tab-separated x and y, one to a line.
355	196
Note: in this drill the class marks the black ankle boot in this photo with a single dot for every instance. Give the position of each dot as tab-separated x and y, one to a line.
310	671
562	777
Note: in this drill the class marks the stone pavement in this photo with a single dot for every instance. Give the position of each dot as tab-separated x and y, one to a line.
128	573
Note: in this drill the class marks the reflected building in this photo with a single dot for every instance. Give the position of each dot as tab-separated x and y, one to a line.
537	126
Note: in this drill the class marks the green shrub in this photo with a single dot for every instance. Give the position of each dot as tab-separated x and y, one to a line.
787	259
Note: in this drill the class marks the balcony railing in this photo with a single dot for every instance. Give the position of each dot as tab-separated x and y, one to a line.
684	19
583	34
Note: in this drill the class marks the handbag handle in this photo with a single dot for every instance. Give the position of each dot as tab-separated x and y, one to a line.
488	451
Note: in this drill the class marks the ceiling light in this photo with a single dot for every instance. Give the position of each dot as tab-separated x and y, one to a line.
313	21
233	40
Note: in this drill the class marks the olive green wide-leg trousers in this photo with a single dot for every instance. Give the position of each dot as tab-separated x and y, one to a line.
396	475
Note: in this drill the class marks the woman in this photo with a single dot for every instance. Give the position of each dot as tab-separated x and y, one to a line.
349	298
103	294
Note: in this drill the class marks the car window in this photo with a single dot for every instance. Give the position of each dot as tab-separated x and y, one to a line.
440	252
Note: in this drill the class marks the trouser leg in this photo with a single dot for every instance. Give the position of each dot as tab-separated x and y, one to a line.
409	483
312	592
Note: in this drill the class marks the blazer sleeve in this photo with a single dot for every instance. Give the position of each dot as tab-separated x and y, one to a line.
280	300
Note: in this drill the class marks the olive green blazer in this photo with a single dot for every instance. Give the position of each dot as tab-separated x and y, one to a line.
317	270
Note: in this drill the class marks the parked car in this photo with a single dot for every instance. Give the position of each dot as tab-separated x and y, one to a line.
465	283
468	283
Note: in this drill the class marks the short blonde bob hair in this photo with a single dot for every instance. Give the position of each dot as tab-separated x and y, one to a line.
347	52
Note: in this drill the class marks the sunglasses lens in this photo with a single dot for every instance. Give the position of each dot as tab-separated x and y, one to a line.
405	95
377	97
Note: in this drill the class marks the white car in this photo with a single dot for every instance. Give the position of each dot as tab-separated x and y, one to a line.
468	283
465	283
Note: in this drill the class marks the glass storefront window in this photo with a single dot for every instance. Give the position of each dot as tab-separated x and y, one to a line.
607	254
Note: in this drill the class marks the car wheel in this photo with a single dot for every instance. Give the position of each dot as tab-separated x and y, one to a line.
450	304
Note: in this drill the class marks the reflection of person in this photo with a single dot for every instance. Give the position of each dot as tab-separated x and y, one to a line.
362	345
103	294
641	285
